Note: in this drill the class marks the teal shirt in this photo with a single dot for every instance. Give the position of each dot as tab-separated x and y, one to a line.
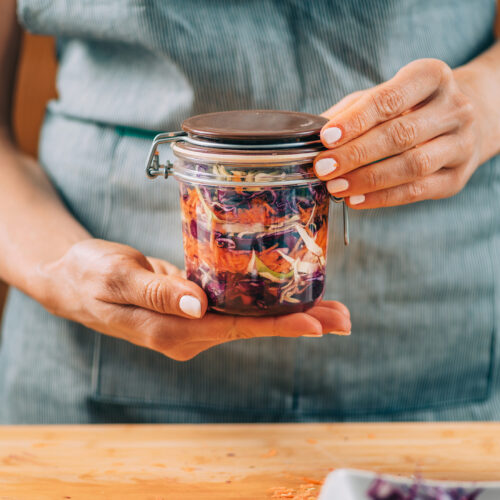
421	280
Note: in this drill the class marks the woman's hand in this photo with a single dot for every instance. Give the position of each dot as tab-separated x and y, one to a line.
114	289
415	137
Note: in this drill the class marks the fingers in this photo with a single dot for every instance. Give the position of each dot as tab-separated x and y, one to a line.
343	104
182	339
323	318
332	320
411	85
219	328
444	183
388	139
225	328
333	316
166	294
169	334
333	304
396	143
161	266
416	163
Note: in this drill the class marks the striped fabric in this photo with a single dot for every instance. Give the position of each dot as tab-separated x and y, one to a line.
421	281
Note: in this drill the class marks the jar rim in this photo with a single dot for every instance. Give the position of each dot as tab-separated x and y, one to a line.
213	181
243	170
261	157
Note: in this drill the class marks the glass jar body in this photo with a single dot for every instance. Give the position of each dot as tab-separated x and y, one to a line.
254	249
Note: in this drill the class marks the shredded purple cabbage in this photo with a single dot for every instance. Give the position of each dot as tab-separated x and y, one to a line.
257	250
384	490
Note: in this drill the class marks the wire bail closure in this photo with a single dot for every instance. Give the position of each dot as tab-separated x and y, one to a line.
345	217
154	168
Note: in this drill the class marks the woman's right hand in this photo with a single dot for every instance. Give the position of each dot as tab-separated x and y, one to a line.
116	290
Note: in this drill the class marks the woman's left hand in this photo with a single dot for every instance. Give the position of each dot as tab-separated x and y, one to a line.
415	137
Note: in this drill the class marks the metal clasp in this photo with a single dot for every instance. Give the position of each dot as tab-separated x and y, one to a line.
345	216
153	166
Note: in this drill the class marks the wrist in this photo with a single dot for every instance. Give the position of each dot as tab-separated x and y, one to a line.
48	280
35	227
476	82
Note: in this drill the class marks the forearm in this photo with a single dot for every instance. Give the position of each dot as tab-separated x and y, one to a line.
480	79
35	227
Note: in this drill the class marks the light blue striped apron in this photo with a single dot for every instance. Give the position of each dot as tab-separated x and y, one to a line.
421	280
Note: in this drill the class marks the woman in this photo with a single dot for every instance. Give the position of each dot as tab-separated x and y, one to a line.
421	279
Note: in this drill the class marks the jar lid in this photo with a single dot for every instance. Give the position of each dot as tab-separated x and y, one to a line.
261	126
244	148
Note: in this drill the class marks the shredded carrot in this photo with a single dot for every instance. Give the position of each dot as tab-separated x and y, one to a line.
212	249
275	262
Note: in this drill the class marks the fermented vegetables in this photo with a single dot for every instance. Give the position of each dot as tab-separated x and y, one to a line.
254	215
384	490
254	243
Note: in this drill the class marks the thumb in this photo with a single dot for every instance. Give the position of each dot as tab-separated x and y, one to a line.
166	294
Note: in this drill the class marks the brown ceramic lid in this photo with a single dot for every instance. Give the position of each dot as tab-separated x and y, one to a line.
248	125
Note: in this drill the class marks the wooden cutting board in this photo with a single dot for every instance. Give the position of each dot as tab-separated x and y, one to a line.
218	462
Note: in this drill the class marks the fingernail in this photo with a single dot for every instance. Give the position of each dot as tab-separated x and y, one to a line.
190	305
337	185
313	335
356	200
325	166
340	333
331	135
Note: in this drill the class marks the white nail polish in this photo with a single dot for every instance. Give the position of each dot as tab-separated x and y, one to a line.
357	199
313	335
340	333
331	135
325	166
337	185
190	305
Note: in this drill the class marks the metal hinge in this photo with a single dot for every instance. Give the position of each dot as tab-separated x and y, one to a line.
154	169
153	166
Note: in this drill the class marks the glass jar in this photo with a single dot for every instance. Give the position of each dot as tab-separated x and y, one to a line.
254	215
